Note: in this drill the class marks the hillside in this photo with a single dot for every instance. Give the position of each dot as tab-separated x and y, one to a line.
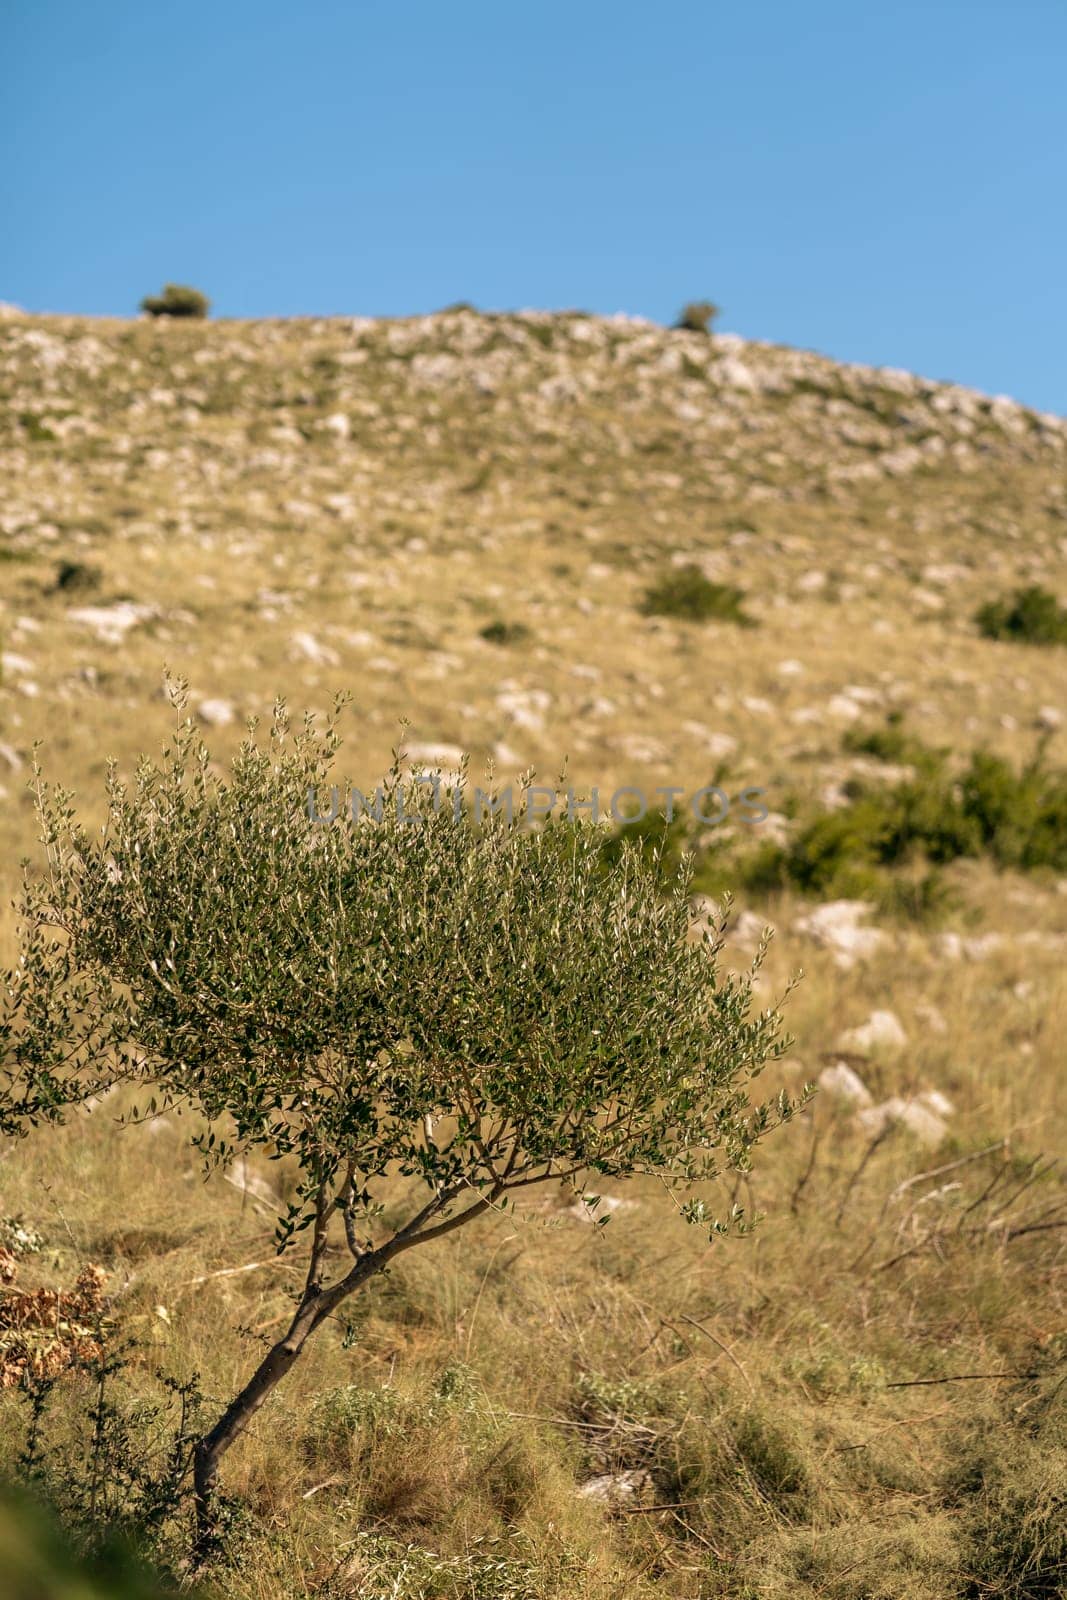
293	506
459	518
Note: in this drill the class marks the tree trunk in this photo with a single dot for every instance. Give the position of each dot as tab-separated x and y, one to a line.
211	1448
314	1308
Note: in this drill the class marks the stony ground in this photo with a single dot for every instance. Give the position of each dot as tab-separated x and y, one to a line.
456	518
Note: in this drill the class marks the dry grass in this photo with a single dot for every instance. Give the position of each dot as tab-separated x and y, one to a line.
753	1380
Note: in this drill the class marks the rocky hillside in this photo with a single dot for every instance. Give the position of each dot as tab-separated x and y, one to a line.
460	519
457	517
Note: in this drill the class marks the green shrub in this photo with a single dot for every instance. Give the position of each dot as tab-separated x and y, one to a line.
613	1400
686	594
177	300
348	1421
889	842
37	431
883	843
1021	819
352	1418
892	743
109	1451
489	1569
505	633
662	844
628	1423
1030	616
77	577
698	316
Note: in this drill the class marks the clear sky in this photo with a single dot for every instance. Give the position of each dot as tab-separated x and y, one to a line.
883	183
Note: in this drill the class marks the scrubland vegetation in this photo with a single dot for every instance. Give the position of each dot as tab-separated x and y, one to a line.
177	300
463	519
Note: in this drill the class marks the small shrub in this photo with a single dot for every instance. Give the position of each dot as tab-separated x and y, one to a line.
505	633
458	1387
620	1400
698	316
110	1451
37	431
347	1422
686	594
542	333
177	300
77	577
1030	616
892	744
1020	819
489	1569
627	1422
411	1455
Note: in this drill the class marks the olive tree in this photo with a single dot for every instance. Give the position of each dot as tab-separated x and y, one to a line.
420	989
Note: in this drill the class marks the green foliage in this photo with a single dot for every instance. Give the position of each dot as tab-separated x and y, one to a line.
1020	819
542	333
881	843
663	844
890	841
39	1559
323	990
613	1400
473	1006
686	594
458	1387
627	1423
1031	615
351	1421
112	1458
698	316
893	743
36	431
177	300
341	1417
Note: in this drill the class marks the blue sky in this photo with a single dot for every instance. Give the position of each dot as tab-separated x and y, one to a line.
880	183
